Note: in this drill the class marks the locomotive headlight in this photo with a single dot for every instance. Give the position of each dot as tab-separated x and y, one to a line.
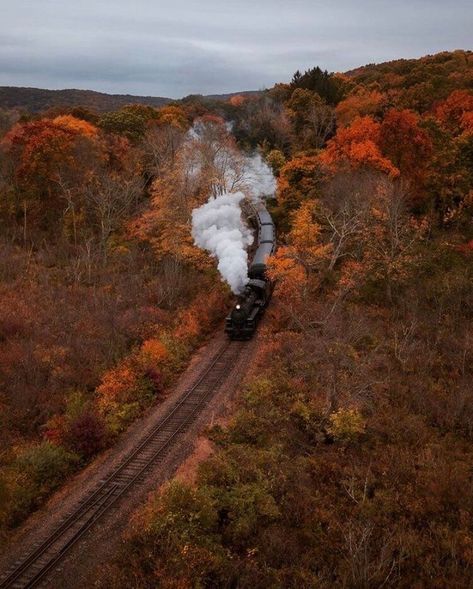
238	307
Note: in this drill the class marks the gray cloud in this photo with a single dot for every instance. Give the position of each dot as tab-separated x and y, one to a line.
182	47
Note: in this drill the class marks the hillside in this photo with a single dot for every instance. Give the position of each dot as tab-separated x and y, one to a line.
421	81
36	100
451	62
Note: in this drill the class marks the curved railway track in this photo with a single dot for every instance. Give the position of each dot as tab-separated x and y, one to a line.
33	569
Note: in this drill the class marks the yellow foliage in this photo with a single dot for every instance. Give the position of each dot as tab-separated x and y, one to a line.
305	237
346	425
174	116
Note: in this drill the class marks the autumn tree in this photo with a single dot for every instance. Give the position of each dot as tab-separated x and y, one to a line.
126	122
455	112
357	146
109	199
389	238
449	180
300	178
262	121
345	201
305	237
361	102
409	147
312	119
237	100
206	163
160	146
276	160
41	152
79	126
299	265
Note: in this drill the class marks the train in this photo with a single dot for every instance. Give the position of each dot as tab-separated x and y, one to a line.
249	307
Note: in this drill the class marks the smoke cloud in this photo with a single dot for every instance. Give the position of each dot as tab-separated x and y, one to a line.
218	227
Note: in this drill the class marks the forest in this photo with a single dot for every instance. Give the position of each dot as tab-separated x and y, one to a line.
347	461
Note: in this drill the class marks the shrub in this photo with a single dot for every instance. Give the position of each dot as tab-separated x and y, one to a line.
117	386
85	434
46	465
121	416
153	352
346	425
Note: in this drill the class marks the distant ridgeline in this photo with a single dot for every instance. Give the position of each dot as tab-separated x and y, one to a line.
421	81
37	100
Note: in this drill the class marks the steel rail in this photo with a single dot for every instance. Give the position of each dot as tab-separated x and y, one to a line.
119	482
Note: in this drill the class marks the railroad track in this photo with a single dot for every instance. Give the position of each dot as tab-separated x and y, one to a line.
33	569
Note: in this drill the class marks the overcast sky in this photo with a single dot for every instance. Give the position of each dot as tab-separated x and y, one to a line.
181	47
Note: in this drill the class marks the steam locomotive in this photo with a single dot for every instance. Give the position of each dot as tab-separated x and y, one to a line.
242	321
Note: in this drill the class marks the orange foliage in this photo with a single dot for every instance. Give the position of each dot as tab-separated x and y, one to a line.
166	225
117	385
289	275
350	275
79	126
362	103
358	146
153	352
237	100
200	316
451	112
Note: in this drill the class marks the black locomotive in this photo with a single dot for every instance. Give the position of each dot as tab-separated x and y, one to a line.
242	321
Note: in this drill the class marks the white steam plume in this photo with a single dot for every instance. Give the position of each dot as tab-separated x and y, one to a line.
217	226
259	178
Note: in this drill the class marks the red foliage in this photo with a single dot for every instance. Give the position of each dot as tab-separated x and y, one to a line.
200	316
42	147
156	378
465	248
85	435
407	146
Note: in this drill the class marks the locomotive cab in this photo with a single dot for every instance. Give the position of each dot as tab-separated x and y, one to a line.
242	321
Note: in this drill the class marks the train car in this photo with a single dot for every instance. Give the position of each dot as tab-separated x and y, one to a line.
242	321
